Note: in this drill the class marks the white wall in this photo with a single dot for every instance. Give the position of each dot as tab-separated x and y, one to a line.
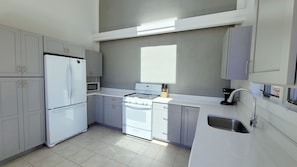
70	20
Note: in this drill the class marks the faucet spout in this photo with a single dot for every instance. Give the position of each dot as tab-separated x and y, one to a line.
253	120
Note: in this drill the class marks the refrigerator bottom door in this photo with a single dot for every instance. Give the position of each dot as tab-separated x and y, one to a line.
65	122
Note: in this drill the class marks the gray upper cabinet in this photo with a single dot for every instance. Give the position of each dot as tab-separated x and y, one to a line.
275	44
236	53
22	118
56	46
189	124
113	111
21	53
94	63
174	123
10	64
32	54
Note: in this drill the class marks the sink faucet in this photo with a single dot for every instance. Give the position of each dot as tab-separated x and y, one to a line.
253	120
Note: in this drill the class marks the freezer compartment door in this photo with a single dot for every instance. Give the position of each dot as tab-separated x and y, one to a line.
57	81
65	122
78	81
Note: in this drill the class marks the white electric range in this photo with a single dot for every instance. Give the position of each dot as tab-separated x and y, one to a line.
137	110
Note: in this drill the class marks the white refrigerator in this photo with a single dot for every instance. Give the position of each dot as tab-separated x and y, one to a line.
65	90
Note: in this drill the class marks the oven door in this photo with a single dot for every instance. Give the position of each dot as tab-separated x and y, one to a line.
137	116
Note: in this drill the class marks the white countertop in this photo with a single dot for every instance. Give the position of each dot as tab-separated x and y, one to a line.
214	147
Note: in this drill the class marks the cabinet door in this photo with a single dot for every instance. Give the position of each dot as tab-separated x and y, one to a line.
34	112
160	121
189	123
91	109
55	46
32	54
11	118
99	110
174	123
94	63
113	112
236	53
10	64
75	50
275	50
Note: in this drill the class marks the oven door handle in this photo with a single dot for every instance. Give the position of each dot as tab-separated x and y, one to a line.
136	106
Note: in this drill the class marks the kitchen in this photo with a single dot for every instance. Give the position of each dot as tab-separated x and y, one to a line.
196	76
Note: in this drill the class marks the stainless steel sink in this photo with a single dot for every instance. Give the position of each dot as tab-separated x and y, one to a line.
227	124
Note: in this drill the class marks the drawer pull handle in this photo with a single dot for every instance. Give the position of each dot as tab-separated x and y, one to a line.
164	133
165	119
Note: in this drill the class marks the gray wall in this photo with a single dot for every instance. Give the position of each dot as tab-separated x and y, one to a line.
118	14
198	61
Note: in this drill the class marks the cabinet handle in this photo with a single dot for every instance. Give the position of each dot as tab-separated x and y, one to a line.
165	119
165	107
24	84
246	66
20	84
19	69
24	69
164	133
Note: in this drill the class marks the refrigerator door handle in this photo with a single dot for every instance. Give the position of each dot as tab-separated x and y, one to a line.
71	82
68	81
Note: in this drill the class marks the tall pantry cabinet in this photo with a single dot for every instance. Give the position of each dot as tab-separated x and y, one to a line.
22	111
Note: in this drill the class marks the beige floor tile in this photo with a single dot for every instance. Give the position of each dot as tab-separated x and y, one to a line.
81	156
49	161
160	164
124	156
95	161
109	151
101	146
17	163
37	155
166	156
150	152
96	146
66	149
67	163
140	161
112	163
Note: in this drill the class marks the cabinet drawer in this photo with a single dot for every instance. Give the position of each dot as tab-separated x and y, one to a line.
160	131
113	101
160	106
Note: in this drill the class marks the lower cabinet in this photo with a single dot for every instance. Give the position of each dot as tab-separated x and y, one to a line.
189	124
91	109
22	115
175	123
99	110
113	111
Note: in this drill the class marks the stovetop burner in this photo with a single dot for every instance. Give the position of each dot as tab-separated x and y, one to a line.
142	96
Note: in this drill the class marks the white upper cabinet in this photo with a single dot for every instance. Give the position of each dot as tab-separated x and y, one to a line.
94	63
274	60
60	47
21	53
236	53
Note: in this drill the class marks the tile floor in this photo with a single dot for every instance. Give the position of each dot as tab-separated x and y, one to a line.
104	147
